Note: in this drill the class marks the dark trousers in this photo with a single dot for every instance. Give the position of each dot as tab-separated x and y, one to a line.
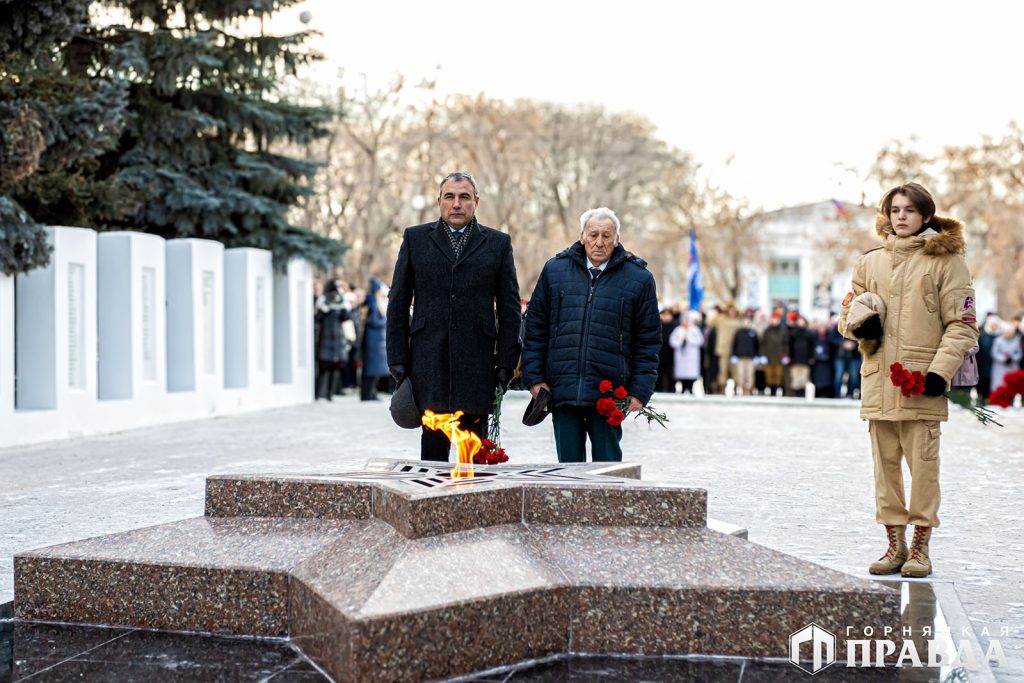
368	386
573	424
328	377
434	444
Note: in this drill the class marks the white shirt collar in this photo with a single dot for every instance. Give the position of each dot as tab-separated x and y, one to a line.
600	267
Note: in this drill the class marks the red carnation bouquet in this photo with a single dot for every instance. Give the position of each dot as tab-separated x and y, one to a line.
613	407
1012	386
912	384
491	452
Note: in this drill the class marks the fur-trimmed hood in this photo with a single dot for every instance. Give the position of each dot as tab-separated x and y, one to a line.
942	235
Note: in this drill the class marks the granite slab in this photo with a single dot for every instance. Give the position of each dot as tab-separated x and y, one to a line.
458	509
675	590
402	573
201	574
274	496
423	499
625	504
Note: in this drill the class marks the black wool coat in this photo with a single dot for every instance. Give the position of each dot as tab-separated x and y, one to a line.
465	316
577	335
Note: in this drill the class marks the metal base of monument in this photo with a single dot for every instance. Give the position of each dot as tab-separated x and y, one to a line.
402	572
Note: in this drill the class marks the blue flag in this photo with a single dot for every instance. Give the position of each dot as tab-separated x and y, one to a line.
696	279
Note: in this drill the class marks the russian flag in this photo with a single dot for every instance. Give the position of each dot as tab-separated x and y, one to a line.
696	279
840	209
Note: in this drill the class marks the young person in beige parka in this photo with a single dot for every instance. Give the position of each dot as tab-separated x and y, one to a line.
912	303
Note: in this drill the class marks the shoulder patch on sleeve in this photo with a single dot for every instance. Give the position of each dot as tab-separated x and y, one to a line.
965	307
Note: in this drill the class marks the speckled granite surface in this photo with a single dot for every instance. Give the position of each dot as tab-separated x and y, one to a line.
256	496
202	574
400	573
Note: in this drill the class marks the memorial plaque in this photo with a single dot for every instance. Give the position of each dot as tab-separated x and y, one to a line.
261	325
209	323
76	326
149	324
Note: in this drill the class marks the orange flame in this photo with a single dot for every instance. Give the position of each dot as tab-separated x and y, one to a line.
466	442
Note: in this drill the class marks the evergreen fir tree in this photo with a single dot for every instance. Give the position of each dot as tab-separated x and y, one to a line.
205	114
53	125
165	122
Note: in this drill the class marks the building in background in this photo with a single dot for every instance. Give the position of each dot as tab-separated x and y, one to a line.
808	254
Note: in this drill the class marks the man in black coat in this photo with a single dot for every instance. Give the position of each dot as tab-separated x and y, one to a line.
463	336
593	316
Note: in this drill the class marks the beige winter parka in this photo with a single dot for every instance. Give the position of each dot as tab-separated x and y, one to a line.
930	319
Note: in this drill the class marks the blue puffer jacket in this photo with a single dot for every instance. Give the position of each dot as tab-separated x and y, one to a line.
577	335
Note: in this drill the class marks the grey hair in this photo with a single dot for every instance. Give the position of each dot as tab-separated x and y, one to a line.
455	177
602	213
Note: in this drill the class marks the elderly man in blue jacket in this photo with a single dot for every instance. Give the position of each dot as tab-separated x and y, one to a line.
593	316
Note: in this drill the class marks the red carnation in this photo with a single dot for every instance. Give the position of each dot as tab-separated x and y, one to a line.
605	406
1014	381
1001	397
620	392
895	367
605	386
616	418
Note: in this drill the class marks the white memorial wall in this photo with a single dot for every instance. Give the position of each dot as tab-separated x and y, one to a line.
195	326
293	327
130	315
248	328
55	342
126	330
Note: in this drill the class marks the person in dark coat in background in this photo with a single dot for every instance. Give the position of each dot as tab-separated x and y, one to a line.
666	358
593	317
822	362
745	351
989	331
375	349
846	361
709	359
353	333
463	336
331	345
801	352
775	350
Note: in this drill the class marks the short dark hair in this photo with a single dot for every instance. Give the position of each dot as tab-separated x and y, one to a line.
455	177
918	196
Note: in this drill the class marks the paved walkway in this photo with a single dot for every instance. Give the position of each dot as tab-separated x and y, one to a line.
798	475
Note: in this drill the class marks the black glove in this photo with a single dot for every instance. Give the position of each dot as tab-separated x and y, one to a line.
869	329
502	377
934	385
397	373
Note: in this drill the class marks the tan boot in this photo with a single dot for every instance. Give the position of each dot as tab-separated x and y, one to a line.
918	564
895	555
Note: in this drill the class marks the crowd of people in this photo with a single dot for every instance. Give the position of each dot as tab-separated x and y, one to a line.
350	338
753	353
782	353
715	352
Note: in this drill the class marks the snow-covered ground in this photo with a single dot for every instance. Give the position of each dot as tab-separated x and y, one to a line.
796	474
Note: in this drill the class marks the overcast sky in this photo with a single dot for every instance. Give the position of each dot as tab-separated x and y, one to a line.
769	96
